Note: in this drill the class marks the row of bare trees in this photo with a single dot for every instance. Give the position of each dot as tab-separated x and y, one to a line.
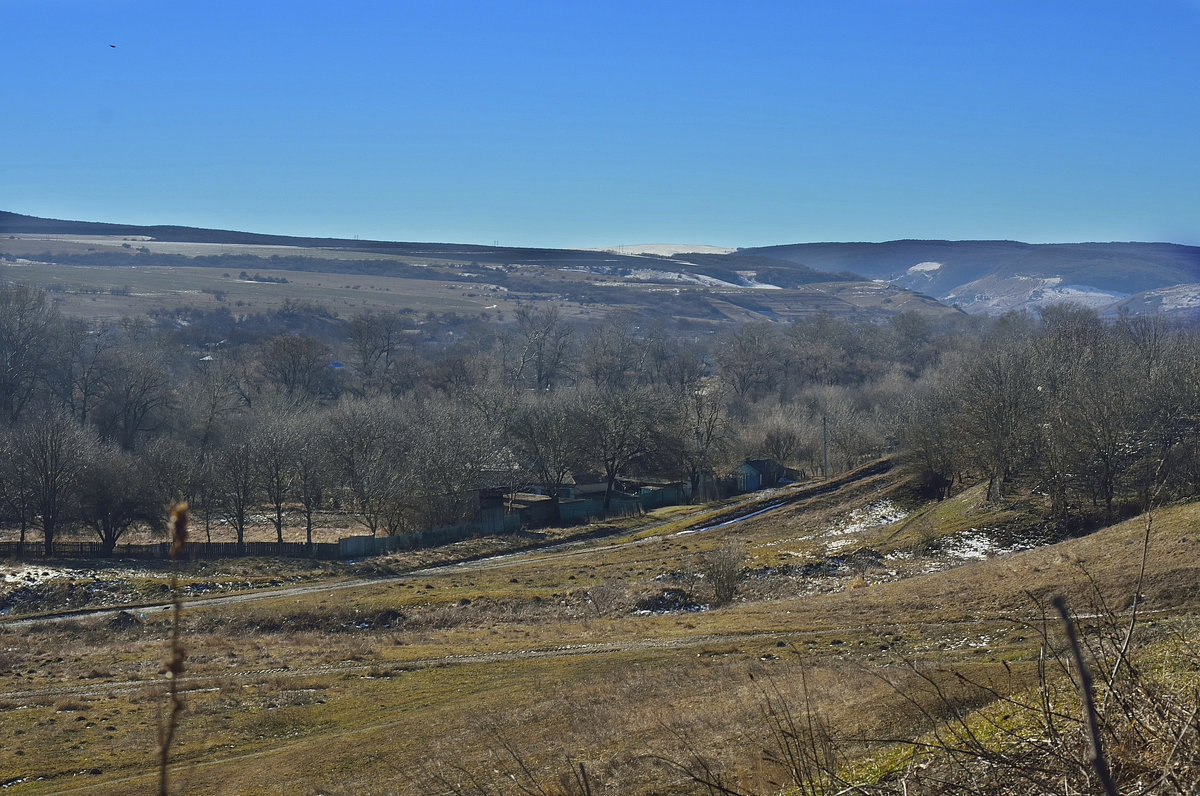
400	420
1089	414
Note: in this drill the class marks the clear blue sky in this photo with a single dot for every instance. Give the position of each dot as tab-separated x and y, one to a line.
575	123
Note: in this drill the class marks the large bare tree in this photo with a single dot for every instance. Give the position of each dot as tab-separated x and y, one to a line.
545	436
116	493
137	393
27	324
50	453
620	428
546	356
368	448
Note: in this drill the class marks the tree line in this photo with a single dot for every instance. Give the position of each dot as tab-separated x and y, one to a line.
400	420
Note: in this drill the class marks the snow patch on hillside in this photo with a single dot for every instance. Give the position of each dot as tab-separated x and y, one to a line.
846	532
711	281
750	279
654	275
666	249
978	544
1181	297
1078	294
29	574
1177	298
997	295
925	268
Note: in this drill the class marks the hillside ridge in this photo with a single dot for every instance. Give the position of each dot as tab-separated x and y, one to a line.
975	276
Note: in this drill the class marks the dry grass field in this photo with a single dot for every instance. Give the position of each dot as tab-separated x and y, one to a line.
603	666
88	292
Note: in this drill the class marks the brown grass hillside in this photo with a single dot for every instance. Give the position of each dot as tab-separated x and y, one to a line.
505	676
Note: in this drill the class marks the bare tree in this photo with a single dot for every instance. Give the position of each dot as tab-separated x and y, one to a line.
614	357
1091	413
749	360
235	485
27	323
137	390
366	444
817	350
311	466
374	339
297	366
115	493
619	428
700	433
210	400
848	429
77	380
50	452
16	485
674	365
997	408
276	442
545	437
785	435
451	446
910	336
546	356
930	438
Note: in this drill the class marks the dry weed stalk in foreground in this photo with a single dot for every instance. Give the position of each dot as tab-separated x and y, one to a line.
1087	696
173	666
1141	736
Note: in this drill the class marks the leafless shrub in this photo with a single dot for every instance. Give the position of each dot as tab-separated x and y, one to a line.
607	596
723	571
800	755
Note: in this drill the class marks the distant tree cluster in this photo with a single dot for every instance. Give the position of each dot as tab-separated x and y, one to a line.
275	280
402	421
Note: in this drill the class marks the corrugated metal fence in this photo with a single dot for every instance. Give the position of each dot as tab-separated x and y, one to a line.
162	550
571	511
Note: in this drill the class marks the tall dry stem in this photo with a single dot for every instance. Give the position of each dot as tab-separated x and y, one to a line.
173	666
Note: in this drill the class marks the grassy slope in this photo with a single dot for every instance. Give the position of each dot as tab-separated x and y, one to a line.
511	655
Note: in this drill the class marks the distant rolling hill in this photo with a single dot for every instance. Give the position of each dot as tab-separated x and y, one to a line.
997	276
705	286
779	283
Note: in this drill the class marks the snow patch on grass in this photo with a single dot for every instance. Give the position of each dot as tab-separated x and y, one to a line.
848	530
31	575
881	512
978	545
